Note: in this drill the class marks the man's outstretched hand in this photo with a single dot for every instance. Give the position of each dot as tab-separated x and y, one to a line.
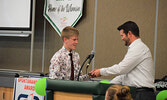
94	73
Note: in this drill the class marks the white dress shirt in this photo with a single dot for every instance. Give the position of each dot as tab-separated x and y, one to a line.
136	69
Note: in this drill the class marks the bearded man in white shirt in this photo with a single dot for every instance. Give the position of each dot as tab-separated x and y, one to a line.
136	69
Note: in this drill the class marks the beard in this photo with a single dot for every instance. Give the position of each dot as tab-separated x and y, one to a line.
127	42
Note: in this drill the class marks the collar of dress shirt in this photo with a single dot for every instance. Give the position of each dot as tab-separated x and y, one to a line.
66	51
134	42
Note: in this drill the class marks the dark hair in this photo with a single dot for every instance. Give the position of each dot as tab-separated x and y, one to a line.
130	26
122	93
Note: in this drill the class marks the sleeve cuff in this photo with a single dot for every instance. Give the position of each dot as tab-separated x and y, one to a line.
103	72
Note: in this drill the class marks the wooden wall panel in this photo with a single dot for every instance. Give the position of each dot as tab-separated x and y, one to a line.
15	52
161	63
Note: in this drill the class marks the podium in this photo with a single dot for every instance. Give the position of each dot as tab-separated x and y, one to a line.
77	90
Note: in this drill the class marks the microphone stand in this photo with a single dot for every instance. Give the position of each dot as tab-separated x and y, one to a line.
82	67
87	67
90	59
